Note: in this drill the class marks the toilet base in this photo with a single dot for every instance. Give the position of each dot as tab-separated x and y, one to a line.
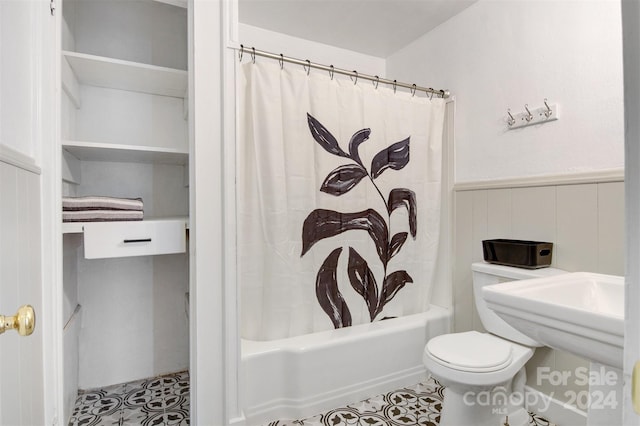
488	407
465	405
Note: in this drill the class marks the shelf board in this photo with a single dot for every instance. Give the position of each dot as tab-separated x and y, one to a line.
97	151
78	227
126	75
177	3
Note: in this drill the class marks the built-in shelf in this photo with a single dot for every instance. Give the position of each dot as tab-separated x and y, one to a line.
97	151
126	75
178	3
78	227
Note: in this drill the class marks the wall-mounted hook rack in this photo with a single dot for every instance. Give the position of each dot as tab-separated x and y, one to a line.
530	117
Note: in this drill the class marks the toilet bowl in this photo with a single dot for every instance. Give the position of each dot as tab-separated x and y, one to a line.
483	373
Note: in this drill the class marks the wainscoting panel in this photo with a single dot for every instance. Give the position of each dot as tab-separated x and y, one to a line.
576	243
611	228
533	214
462	292
498	212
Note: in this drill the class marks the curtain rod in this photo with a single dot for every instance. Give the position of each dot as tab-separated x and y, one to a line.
331	69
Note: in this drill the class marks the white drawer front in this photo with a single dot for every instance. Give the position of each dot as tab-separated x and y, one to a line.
144	238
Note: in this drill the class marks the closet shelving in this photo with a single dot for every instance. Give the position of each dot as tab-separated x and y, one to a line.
87	69
78	227
112	73
100	71
99	151
124	133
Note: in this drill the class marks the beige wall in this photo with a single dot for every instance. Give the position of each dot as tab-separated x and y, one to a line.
584	221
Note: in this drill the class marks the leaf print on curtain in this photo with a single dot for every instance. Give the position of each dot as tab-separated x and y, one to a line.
337	202
322	224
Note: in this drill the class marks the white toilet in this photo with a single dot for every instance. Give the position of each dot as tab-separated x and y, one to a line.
484	373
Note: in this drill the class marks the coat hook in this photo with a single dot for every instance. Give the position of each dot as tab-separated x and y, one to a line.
307	68
241	53
355	81
331	72
511	120
528	117
548	112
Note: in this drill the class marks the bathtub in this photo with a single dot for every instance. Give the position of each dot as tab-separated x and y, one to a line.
302	376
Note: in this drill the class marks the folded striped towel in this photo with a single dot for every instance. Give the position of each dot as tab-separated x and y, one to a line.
100	203
102	215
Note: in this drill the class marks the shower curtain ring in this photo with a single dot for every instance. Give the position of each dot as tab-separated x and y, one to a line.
375	83
253	55
308	67
331	72
356	80
281	61
395	85
432	91
413	90
241	53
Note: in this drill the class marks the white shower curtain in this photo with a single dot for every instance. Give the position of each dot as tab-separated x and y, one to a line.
338	201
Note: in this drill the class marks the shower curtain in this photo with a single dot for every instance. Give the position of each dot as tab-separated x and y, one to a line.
338	201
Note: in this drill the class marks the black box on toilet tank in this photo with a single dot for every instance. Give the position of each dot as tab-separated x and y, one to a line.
519	253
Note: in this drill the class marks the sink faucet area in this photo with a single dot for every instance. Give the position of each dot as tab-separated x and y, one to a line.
581	313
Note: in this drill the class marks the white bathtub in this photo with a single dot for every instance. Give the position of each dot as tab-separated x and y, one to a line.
305	375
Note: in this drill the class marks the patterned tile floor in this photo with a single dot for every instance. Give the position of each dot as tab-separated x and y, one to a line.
160	400
418	405
164	400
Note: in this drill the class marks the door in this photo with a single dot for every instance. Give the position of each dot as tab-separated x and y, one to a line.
631	53
26	91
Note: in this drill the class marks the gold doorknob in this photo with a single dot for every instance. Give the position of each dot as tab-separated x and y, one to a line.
23	322
635	387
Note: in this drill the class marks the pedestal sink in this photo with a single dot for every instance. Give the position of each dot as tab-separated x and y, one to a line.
581	313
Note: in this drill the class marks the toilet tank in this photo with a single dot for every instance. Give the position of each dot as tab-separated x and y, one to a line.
488	274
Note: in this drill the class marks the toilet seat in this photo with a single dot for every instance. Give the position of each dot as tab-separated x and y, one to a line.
471	351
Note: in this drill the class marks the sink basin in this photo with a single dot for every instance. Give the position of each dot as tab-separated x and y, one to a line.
581	312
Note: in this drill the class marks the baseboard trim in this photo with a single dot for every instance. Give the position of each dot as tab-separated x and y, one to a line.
595	176
557	412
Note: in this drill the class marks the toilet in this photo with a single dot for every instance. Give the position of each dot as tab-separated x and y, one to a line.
484	373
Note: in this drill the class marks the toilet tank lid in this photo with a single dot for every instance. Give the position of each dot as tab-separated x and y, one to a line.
513	272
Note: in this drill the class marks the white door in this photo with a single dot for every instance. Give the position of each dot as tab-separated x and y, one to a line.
631	52
25	94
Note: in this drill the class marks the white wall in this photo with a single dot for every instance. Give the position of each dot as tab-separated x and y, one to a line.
497	55
299	48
